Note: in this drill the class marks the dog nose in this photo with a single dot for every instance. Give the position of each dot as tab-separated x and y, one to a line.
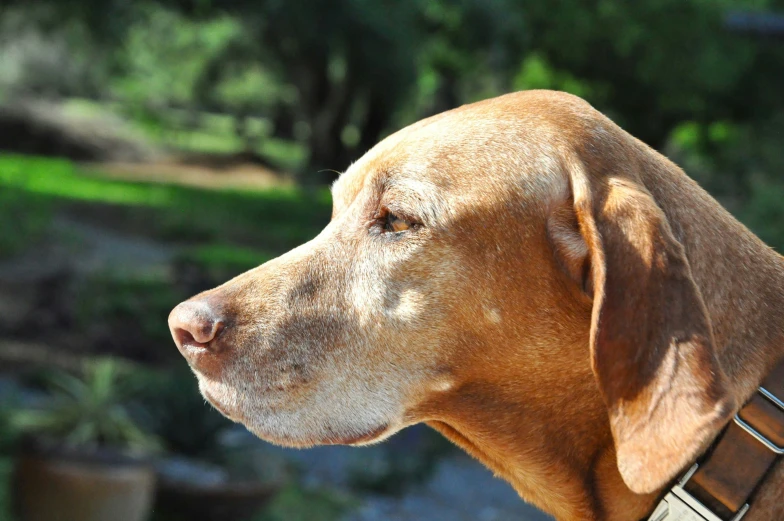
195	324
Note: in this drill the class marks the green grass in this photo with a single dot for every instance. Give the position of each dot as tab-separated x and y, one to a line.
224	232
215	234
132	310
273	220
23	219
60	178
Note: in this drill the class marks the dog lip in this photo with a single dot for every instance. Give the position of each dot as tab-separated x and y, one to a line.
207	362
217	405
362	439
192	347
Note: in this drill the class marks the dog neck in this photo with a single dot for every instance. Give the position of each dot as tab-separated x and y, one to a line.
558	453
740	278
559	457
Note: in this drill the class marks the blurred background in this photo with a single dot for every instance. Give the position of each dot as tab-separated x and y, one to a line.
150	149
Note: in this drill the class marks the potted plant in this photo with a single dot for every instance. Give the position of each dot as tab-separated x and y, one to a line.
82	458
209	470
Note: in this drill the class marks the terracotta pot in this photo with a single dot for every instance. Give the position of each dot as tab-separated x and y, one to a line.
66	486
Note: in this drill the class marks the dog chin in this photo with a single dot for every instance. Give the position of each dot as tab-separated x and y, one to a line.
258	428
280	429
267	429
220	407
375	436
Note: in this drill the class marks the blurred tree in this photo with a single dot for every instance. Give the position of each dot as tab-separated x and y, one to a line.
340	65
352	64
339	74
655	63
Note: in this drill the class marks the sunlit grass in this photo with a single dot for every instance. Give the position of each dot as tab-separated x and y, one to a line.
212	235
273	219
60	178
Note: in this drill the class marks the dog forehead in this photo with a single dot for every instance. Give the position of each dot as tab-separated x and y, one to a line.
483	148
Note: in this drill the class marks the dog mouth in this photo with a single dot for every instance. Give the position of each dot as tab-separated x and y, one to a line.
275	420
220	407
368	438
356	440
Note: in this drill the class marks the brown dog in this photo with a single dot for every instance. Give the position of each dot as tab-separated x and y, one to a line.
530	280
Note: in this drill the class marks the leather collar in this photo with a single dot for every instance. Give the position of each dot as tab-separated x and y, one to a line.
721	486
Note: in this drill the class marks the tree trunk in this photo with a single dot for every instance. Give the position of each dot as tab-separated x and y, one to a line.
376	121
328	154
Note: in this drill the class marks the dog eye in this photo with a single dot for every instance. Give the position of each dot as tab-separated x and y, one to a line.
393	223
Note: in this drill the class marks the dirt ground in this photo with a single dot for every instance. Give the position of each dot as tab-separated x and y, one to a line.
215	172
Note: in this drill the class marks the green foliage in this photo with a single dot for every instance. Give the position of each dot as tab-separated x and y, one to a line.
180	417
740	165
86	411
178	213
24	218
536	73
153	69
128	315
296	504
654	64
9	435
764	213
651	64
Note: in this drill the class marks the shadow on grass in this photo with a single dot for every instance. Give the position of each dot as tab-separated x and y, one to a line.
271	221
24	217
208	236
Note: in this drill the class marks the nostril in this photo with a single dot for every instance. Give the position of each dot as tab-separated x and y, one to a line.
183	337
205	332
194	324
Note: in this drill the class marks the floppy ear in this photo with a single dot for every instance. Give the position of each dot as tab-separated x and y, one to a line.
651	339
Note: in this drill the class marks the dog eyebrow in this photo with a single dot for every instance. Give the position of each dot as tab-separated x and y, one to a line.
420	196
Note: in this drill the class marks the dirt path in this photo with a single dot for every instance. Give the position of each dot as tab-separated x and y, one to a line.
231	174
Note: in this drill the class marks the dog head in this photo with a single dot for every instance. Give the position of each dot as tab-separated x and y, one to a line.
511	243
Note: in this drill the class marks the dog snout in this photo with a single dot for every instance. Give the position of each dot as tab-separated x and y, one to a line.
195	325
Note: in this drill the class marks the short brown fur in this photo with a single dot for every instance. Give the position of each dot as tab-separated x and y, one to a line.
572	310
